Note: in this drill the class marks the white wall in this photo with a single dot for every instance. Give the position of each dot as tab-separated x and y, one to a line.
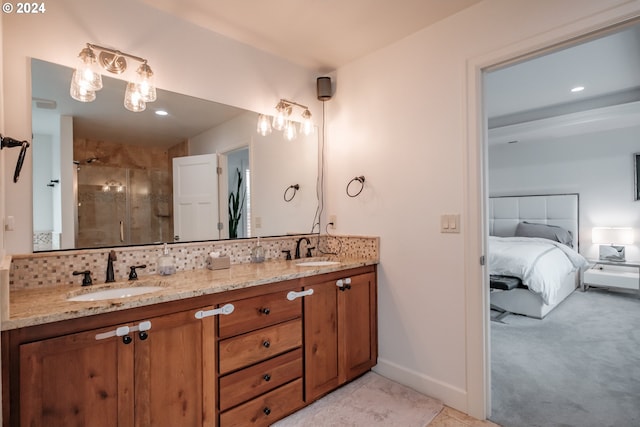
598	166
184	57
399	117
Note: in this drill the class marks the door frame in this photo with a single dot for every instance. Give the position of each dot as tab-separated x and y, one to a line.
478	350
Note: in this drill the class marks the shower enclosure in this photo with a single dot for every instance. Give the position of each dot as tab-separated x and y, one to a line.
122	206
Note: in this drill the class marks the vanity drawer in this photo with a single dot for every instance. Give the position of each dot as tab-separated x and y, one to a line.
250	382
266	409
253	347
257	312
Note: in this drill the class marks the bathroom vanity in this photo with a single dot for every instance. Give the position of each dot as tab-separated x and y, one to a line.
239	347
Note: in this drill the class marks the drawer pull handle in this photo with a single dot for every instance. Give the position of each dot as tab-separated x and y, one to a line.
143	335
265	310
225	309
127	339
266	411
266	344
293	295
267	377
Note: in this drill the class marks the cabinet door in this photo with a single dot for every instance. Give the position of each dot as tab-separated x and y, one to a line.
175	372
357	314
76	380
321	340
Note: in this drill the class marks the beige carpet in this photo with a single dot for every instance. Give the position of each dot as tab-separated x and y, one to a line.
369	401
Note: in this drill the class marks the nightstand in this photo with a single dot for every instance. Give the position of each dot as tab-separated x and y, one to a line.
613	274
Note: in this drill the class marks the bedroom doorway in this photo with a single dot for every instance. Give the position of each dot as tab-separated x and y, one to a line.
521	128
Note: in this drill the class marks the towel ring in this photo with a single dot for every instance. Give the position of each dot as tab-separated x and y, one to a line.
295	188
359	179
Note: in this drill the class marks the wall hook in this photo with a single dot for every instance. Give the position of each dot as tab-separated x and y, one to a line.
359	179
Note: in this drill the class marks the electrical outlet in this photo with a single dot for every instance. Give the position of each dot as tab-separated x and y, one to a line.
257	222
332	219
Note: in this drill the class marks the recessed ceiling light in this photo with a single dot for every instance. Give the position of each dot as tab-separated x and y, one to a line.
577	89
162	113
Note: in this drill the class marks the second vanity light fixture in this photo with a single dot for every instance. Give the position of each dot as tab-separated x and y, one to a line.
87	80
282	122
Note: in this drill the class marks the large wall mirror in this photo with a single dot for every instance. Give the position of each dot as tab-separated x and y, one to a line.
104	176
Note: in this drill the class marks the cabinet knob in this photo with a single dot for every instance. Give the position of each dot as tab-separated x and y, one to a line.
267	377
127	339
143	335
266	344
265	310
266	411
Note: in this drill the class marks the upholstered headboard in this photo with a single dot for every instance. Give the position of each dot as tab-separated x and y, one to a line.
554	209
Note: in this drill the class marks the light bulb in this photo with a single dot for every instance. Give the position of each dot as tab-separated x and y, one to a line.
80	92
86	74
290	131
280	119
264	125
133	100
306	127
146	83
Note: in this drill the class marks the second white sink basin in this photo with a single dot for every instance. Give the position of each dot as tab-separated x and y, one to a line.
317	263
115	293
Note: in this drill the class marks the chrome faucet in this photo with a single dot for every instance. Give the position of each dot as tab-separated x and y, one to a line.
110	276
297	255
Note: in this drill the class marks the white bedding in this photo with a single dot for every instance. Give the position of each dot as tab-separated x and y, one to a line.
541	264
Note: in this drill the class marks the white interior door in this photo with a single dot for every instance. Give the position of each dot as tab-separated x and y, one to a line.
195	198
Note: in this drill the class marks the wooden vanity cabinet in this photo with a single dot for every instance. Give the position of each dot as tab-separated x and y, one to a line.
163	376
260	359
269	357
341	339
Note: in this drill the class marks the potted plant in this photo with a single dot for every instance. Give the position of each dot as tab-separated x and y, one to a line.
236	203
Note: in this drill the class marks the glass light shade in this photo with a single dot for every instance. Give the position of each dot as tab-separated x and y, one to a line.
290	131
87	74
81	92
279	120
133	100
264	125
612	235
306	127
146	83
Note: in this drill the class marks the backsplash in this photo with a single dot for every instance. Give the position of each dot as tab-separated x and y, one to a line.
56	268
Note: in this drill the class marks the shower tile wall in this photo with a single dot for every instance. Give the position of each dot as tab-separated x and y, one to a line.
144	204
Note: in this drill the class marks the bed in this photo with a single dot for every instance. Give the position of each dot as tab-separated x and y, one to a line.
533	260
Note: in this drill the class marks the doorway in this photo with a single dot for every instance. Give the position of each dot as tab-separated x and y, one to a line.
512	117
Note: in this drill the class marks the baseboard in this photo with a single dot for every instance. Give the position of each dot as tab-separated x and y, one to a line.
448	394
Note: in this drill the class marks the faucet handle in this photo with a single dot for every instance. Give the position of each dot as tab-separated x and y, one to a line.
133	275
86	280
288	252
309	254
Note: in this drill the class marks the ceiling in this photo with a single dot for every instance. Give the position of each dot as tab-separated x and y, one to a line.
534	97
319	34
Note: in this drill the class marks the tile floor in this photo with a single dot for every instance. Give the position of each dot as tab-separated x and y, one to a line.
449	417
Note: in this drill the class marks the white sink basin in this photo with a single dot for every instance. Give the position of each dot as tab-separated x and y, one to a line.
115	293
317	263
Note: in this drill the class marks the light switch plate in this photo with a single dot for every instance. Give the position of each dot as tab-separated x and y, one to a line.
450	223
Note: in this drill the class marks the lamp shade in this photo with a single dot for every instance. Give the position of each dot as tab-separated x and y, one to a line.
612	235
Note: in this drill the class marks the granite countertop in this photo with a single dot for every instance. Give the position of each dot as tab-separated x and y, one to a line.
30	307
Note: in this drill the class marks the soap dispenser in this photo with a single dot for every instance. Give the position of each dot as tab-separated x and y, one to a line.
166	266
257	253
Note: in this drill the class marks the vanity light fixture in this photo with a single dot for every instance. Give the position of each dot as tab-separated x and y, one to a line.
87	80
577	89
281	120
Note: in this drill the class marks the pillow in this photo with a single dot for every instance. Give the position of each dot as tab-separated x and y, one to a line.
551	232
